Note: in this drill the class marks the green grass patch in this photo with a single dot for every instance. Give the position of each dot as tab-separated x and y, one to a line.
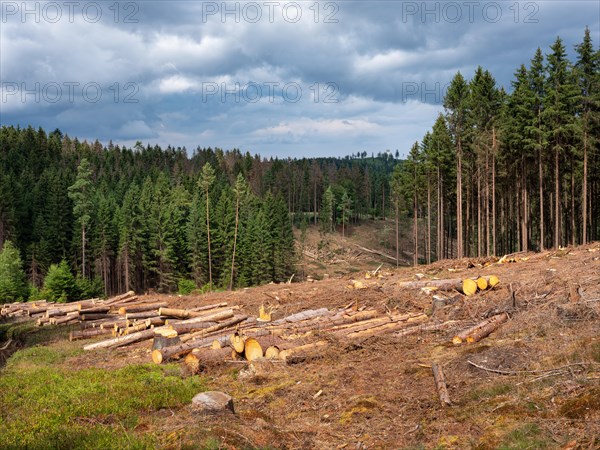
47	404
527	436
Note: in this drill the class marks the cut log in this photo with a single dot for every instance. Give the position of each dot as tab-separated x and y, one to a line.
237	342
133	329
385	328
141	315
217	327
95	309
65	319
164	354
478	331
88	333
493	281
216	345
119	298
440	384
485	330
164	341
252	349
469	287
209	307
272	352
203	317
138	308
95	316
200	357
482	284
155	321
186	313
182	328
121	340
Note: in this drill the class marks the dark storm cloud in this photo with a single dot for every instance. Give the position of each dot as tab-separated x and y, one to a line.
371	74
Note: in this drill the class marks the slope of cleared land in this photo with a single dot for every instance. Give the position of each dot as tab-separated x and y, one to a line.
532	383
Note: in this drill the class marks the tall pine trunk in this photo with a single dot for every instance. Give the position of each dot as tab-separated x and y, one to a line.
557	220
237	215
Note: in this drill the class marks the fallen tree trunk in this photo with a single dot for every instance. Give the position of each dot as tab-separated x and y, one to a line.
121	340
88	333
375	252
217	327
138	308
440	384
95	309
380	329
118	298
207	316
142	315
95	316
480	330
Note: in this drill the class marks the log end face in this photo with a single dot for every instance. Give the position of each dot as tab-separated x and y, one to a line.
157	356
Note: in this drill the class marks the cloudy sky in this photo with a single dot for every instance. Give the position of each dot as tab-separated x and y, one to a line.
278	78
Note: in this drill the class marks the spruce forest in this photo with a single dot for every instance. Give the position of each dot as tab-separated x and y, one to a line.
503	169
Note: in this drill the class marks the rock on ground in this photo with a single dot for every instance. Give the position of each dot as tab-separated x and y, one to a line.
212	401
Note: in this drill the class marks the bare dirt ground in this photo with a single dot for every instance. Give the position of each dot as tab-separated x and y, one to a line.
541	388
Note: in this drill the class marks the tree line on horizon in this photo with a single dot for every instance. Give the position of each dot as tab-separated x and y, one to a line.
499	172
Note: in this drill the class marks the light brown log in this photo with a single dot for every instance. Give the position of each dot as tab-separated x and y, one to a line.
111	324
488	325
199	357
141	315
207	316
183	328
133	329
138	308
440	384
95	309
155	321
88	333
486	329
164	354
209	307
482	283
272	352
119	298
237	341
469	287
252	349
164	341
207	331
121	340
65	319
61	310
186	313
386	327
95	316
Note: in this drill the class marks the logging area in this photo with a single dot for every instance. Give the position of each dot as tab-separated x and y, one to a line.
470	353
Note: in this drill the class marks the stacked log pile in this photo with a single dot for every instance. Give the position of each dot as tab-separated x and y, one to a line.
219	332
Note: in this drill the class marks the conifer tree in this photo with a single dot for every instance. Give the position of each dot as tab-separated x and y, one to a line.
207	178
81	193
13	287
